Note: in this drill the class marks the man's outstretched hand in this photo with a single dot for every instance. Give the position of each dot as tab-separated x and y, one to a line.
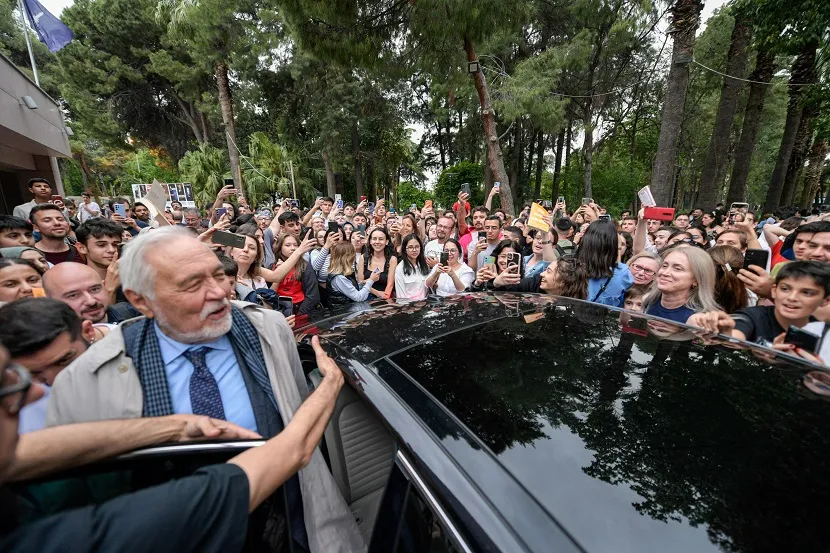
200	427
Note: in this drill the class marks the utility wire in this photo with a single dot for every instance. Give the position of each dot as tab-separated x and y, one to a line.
747	80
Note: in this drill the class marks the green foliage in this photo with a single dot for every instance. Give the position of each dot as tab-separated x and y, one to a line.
206	169
450	181
410	193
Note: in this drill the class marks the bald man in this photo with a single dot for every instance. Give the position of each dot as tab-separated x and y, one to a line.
81	288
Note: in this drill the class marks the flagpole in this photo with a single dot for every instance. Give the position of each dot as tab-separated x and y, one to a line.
28	40
53	162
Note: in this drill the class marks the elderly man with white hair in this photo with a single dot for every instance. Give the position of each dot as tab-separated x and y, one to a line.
196	352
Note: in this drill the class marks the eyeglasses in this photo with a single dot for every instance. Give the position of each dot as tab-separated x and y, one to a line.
413	248
641	269
14	387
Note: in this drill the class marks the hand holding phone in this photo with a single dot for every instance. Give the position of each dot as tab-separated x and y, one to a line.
224	238
802	339
120	209
758	258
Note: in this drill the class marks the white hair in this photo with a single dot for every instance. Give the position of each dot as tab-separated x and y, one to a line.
136	273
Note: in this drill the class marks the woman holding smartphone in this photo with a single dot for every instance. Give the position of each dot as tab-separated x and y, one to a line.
300	284
505	256
599	253
451	275
412	271
379	257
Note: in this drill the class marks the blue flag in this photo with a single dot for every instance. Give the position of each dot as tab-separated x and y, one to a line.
51	31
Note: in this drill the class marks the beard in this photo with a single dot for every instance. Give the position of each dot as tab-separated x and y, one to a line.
210	330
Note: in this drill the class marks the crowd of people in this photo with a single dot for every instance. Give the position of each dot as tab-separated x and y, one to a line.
101	301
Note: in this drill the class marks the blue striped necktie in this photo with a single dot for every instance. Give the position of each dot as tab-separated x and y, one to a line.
204	391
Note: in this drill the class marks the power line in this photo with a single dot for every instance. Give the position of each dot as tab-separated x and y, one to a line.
747	80
243	156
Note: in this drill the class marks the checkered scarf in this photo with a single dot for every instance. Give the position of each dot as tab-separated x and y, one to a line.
143	348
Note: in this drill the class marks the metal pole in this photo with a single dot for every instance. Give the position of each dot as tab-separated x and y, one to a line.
291	173
28	39
56	172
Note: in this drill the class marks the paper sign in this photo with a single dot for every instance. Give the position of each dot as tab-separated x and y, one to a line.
155	200
537	218
645	197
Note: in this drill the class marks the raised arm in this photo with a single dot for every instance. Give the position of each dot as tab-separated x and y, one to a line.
489	203
640	233
271	464
223	195
276	275
312	211
462	214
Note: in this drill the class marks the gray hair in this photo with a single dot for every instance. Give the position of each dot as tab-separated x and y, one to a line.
191	211
136	273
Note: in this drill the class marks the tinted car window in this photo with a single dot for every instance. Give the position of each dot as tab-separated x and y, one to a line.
638	442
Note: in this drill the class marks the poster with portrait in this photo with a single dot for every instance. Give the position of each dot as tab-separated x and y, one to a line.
176	192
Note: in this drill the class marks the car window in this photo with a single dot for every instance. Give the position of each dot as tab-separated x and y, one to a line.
411	519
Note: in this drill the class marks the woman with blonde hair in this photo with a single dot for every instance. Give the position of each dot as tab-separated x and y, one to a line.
685	285
730	292
341	282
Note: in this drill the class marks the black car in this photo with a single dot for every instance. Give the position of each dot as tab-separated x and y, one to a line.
509	423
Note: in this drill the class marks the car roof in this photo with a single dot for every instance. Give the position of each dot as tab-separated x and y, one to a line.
632	433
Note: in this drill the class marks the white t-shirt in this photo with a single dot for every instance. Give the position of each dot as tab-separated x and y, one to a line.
432	249
84	215
445	285
817	327
410	287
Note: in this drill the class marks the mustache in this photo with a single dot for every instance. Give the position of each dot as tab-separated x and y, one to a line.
95	307
212	307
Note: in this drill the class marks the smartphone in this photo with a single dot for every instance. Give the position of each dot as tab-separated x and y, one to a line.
221	211
605	217
286	305
497	185
800	338
56	198
361	228
391	210
333	226
224	238
228	182
489	260
371	206
293	202
514	258
586	201
561	200
428	204
339	204
756	257
466	187
444	258
120	209
363	198
738	205
412	207
482	237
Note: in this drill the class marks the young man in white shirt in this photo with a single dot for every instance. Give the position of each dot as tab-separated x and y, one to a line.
88	208
42	191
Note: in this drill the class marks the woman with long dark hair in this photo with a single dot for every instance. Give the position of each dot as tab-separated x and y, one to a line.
379	257
599	252
412	271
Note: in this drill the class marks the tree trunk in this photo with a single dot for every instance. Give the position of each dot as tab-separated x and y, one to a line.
798	157
685	20
557	165
717	156
803	71
226	105
568	141
441	147
358	163
540	165
450	154
331	183
488	118
204	126
587	151
764	67
812	175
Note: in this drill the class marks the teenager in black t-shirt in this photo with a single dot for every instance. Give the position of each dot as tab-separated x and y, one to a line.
800	288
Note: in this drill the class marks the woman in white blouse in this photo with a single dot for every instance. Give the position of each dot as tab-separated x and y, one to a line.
455	276
411	272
